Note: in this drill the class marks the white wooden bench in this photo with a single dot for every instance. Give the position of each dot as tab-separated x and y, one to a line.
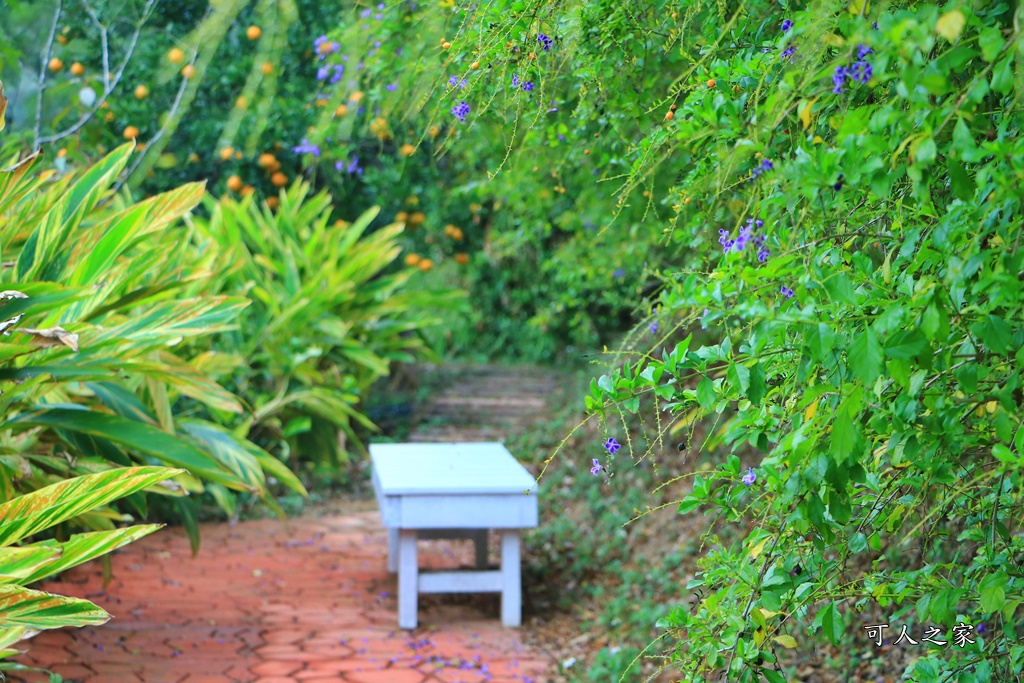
453	490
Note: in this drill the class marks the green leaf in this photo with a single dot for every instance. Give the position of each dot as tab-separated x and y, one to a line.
137	436
905	345
865	357
43	508
84	547
39	611
994	332
223	446
17	564
993	595
773	676
925	151
758	389
991	42
706	393
832	623
739	377
960	180
841	289
1002	75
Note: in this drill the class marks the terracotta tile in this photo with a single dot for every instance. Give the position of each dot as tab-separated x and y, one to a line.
386	676
275	668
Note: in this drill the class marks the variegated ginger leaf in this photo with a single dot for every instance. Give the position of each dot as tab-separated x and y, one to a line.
36	610
84	547
16	564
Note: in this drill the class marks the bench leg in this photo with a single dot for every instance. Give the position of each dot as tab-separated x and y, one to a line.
392	550
511	580
408	579
480	541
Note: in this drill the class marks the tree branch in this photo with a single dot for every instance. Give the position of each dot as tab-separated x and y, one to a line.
47	50
110	84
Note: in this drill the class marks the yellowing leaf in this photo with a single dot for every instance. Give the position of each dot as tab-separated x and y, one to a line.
991	406
805	113
817	140
758	548
833	40
811	411
766	613
788	642
950	25
859	6
3	106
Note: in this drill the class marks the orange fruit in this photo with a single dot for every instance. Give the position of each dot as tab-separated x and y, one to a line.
55	65
426	264
253	32
457	235
711	83
407	150
675	15
77	69
412	259
401	216
462	258
108	117
586	152
176	56
279	179
272	202
474	65
417	218
686	201
434	131
341	110
248	190
274	167
131	132
62	152
235	183
266	160
238	155
188	71
227	153
62	39
141	147
267	68
445	45
141	92
355	97
341	224
193	158
669	116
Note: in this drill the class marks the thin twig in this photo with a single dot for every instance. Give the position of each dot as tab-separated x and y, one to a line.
111	83
103	43
47	50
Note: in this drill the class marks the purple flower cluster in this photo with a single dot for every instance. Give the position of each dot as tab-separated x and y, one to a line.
596	469
528	86
860	71
454	81
786	25
612	446
461	110
746	236
750	477
788	52
765	166
525	85
352	168
787	292
307	148
545	41
653	327
323	72
515	80
325	47
618	273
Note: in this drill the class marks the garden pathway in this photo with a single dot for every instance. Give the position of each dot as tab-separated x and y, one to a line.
306	599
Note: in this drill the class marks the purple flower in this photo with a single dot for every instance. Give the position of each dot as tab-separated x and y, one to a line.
839	79
365	13
515	80
618	273
307	148
981	628
453	81
875	25
380	6
787	292
839	183
353	167
786	25
767	165
863	51
545	41
378	17
528	86
461	110
653	327
391	87
561	137
861	71
612	446
749	478
763	254
339	71
596	469
322	73
788	52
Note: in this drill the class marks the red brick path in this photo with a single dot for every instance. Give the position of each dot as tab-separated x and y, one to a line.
274	601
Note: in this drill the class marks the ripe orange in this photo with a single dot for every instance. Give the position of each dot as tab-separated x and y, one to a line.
253	32
267	68
586	152
131	132
272	202
188	71
248	190
56	65
320	102
426	264
62	39
274	167
238	155
686	201
227	153
474	65
457	235
176	56
355	97
407	150
434	131
711	83
61	153
401	216
341	110
279	179
77	69
412	259
141	92
235	183
417	218
670	115
445	45
462	259
266	160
